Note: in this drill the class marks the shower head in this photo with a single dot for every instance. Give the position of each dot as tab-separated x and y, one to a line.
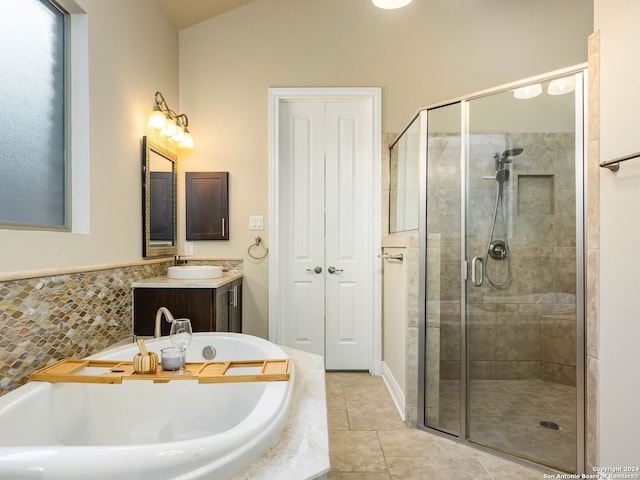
512	152
505	158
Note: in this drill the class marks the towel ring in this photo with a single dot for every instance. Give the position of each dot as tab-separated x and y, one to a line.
257	244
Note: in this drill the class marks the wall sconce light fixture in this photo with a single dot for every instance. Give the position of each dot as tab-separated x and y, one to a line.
170	124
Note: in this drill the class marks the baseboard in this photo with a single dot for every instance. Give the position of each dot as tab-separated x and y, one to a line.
394	390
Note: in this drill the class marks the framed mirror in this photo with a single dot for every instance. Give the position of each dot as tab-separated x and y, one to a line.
158	200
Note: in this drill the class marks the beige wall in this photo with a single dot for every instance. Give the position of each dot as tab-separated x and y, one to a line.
133	51
619	315
426	52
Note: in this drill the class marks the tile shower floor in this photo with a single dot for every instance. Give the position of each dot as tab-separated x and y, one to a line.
369	441
506	414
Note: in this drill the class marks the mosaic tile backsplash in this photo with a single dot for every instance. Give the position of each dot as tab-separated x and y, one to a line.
46	319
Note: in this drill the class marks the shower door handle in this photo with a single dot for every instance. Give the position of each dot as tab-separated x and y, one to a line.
474	272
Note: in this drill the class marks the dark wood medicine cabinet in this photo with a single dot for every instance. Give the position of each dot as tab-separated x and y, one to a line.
207	205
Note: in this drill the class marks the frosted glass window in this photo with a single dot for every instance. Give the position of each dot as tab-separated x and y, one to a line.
32	102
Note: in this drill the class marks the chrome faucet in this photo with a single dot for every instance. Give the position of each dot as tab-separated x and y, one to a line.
168	316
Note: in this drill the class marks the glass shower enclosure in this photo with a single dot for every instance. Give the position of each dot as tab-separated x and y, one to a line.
502	282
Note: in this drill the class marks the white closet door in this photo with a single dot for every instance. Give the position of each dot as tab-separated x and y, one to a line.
349	287
325	221
302	227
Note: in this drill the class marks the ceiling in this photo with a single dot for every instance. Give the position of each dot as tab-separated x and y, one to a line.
184	13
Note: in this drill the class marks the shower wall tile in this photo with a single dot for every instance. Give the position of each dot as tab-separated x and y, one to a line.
440	150
593	50
449	337
482	370
564	171
559	341
538	155
592	228
536	195
593	196
532	231
522	370
449	369
519	341
413	284
482	337
593	304
482	333
531	276
450	281
556	373
565	232
482	204
592	383
447	202
564	279
411	396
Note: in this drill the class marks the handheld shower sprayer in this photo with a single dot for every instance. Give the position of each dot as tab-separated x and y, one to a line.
499	249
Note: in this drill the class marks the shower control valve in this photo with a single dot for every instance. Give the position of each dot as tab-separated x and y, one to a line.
498	250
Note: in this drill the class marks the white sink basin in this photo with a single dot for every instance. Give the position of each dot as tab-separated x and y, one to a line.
194	272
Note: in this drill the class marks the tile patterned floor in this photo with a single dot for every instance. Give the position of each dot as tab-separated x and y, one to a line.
369	441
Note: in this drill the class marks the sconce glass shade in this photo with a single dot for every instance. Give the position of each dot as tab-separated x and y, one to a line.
528	91
170	130
560	86
157	119
179	136
187	142
391	4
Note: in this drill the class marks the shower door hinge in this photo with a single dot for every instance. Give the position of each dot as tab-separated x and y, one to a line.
465	270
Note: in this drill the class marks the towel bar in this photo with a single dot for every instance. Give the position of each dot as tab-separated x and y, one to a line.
388	256
614	165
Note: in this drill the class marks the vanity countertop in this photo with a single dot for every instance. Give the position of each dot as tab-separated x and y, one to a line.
166	282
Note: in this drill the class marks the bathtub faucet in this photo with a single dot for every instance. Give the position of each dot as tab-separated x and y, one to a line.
159	313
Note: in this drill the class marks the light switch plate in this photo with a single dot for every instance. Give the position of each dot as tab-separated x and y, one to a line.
256	222
188	248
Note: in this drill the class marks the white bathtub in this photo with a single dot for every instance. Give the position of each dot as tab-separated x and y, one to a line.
141	430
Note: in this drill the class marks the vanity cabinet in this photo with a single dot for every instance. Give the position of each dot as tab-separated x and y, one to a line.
229	307
215	308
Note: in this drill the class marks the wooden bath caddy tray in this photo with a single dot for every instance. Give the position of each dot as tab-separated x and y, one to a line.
110	371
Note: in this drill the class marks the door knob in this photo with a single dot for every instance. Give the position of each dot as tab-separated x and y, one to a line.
333	270
318	269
